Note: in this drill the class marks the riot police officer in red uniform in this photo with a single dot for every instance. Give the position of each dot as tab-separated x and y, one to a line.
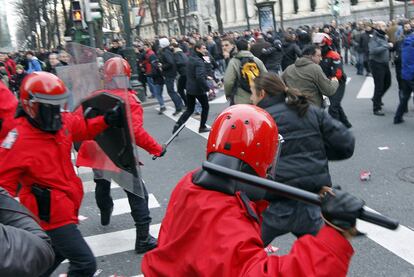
7	110
89	156
212	224
37	155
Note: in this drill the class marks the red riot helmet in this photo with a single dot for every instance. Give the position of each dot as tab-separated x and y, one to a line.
248	133
117	73
42	96
322	39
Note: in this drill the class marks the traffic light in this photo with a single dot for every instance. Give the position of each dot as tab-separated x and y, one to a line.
92	10
76	11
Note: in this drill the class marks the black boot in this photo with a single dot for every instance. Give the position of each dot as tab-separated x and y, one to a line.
144	242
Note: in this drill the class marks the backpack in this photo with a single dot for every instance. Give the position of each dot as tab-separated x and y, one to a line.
407	57
248	72
156	73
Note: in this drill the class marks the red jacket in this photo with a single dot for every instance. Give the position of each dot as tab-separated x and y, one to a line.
208	233
11	66
149	56
90	155
7	110
36	157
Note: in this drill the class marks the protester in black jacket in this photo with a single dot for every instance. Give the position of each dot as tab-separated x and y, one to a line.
169	72
311	138
291	51
25	248
273	57
197	87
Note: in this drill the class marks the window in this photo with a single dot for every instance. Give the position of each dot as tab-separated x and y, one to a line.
192	5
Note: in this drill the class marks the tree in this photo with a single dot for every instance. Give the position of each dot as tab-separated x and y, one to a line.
181	15
153	7
218	16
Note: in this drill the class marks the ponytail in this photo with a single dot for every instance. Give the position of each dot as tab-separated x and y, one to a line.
297	100
273	85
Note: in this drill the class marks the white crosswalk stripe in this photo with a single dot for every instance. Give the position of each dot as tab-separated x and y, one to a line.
116	242
367	89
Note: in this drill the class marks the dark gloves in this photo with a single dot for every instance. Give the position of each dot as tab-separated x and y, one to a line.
341	210
114	117
163	151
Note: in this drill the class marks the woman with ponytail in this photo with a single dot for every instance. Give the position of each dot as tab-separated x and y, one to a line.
311	138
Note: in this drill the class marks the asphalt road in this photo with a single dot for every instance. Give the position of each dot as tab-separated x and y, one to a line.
385	192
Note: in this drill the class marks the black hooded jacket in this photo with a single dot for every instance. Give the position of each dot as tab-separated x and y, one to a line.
309	142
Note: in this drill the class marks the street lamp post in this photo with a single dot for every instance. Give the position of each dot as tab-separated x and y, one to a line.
246	12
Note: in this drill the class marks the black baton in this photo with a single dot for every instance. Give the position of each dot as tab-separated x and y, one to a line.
171	139
293	193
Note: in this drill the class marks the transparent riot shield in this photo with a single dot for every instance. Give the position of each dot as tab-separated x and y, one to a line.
98	84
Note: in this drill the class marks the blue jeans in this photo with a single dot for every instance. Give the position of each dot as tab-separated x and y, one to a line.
156	90
360	63
169	82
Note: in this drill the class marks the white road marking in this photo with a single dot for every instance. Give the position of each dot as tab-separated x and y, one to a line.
191	124
219	100
89	186
400	242
367	89
121	206
116	242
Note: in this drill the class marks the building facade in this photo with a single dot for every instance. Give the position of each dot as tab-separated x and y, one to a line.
200	14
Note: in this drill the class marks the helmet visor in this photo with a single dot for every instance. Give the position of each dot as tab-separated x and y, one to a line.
48	117
118	82
272	168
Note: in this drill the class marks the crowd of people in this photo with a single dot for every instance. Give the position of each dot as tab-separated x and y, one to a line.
277	83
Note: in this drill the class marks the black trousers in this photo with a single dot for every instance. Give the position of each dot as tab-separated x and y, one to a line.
407	87
181	83
139	206
191	100
382	80
335	109
68	243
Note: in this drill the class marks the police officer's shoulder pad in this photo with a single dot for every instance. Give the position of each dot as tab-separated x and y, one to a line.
10	139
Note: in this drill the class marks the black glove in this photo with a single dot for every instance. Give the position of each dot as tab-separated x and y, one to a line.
163	151
114	118
341	210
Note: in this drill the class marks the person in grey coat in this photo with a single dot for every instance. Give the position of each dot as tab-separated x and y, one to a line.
308	77
25	248
379	58
232	89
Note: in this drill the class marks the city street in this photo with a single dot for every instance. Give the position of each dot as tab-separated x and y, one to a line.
382	148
